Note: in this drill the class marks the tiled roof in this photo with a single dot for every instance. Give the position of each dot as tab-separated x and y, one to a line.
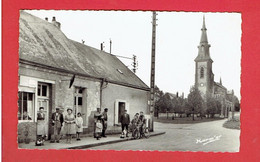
42	42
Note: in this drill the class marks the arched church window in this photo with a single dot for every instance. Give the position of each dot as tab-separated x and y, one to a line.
201	72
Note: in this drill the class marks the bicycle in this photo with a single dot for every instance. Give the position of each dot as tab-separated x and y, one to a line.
145	133
136	132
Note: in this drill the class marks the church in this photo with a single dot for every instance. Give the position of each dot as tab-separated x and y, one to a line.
204	77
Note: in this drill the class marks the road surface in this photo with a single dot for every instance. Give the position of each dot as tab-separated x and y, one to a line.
208	136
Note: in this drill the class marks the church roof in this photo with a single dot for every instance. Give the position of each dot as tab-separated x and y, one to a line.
43	43
219	85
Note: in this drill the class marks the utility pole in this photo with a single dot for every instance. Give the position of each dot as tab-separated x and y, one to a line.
152	79
134	64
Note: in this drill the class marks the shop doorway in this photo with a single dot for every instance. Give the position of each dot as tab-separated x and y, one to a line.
121	109
43	100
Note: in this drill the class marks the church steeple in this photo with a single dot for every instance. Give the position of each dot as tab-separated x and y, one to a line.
220	81
204	77
203	53
204	38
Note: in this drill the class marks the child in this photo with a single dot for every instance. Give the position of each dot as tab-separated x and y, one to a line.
135	123
98	129
79	125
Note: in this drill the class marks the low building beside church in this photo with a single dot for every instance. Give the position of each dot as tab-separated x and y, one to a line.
49	61
204	77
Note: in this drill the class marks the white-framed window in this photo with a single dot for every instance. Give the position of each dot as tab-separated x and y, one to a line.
25	106
43	90
78	99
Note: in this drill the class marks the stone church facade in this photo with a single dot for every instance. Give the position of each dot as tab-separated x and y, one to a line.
204	77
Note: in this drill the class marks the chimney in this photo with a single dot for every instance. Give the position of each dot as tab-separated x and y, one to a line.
46	18
54	22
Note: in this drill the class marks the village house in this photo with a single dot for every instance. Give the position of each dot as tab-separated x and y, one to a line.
49	61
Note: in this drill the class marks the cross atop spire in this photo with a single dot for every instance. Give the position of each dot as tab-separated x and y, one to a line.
204	38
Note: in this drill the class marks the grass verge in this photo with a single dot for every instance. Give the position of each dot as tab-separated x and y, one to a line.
186	120
232	124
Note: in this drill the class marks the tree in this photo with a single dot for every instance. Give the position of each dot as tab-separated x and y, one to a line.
195	101
158	101
213	106
167	103
237	104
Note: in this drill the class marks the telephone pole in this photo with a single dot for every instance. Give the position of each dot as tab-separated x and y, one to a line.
152	79
134	64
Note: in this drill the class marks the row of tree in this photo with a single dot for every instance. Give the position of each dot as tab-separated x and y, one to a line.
193	104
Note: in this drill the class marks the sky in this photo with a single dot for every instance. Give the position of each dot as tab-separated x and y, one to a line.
177	37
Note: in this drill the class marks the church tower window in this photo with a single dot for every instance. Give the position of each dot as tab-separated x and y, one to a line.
201	72
202	48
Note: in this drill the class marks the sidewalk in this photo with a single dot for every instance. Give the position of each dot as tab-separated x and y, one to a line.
85	142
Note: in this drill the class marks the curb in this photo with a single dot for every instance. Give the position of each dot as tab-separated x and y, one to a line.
109	142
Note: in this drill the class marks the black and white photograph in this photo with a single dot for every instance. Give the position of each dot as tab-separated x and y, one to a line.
129	80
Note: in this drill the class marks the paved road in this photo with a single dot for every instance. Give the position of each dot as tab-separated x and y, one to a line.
209	136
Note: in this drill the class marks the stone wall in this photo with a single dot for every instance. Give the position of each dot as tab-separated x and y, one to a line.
23	129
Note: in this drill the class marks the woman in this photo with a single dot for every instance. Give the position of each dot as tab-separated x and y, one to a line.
40	126
79	125
70	126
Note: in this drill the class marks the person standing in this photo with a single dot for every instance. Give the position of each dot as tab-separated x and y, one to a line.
98	129
70	126
104	122
57	120
40	127
97	116
125	120
79	125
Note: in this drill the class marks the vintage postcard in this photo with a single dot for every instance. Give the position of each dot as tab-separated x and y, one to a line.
129	80
118	80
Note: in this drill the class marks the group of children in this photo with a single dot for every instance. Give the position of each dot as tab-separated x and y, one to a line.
139	122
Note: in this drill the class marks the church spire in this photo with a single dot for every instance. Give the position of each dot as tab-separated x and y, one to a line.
220	81
204	38
203	53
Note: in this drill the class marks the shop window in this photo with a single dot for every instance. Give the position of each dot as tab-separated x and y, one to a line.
25	106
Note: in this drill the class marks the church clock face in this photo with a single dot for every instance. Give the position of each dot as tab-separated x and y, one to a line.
201	84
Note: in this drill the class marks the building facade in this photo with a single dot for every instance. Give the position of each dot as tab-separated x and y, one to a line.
49	62
204	76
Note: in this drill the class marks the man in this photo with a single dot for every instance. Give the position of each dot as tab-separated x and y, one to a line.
57	120
125	120
104	122
97	116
